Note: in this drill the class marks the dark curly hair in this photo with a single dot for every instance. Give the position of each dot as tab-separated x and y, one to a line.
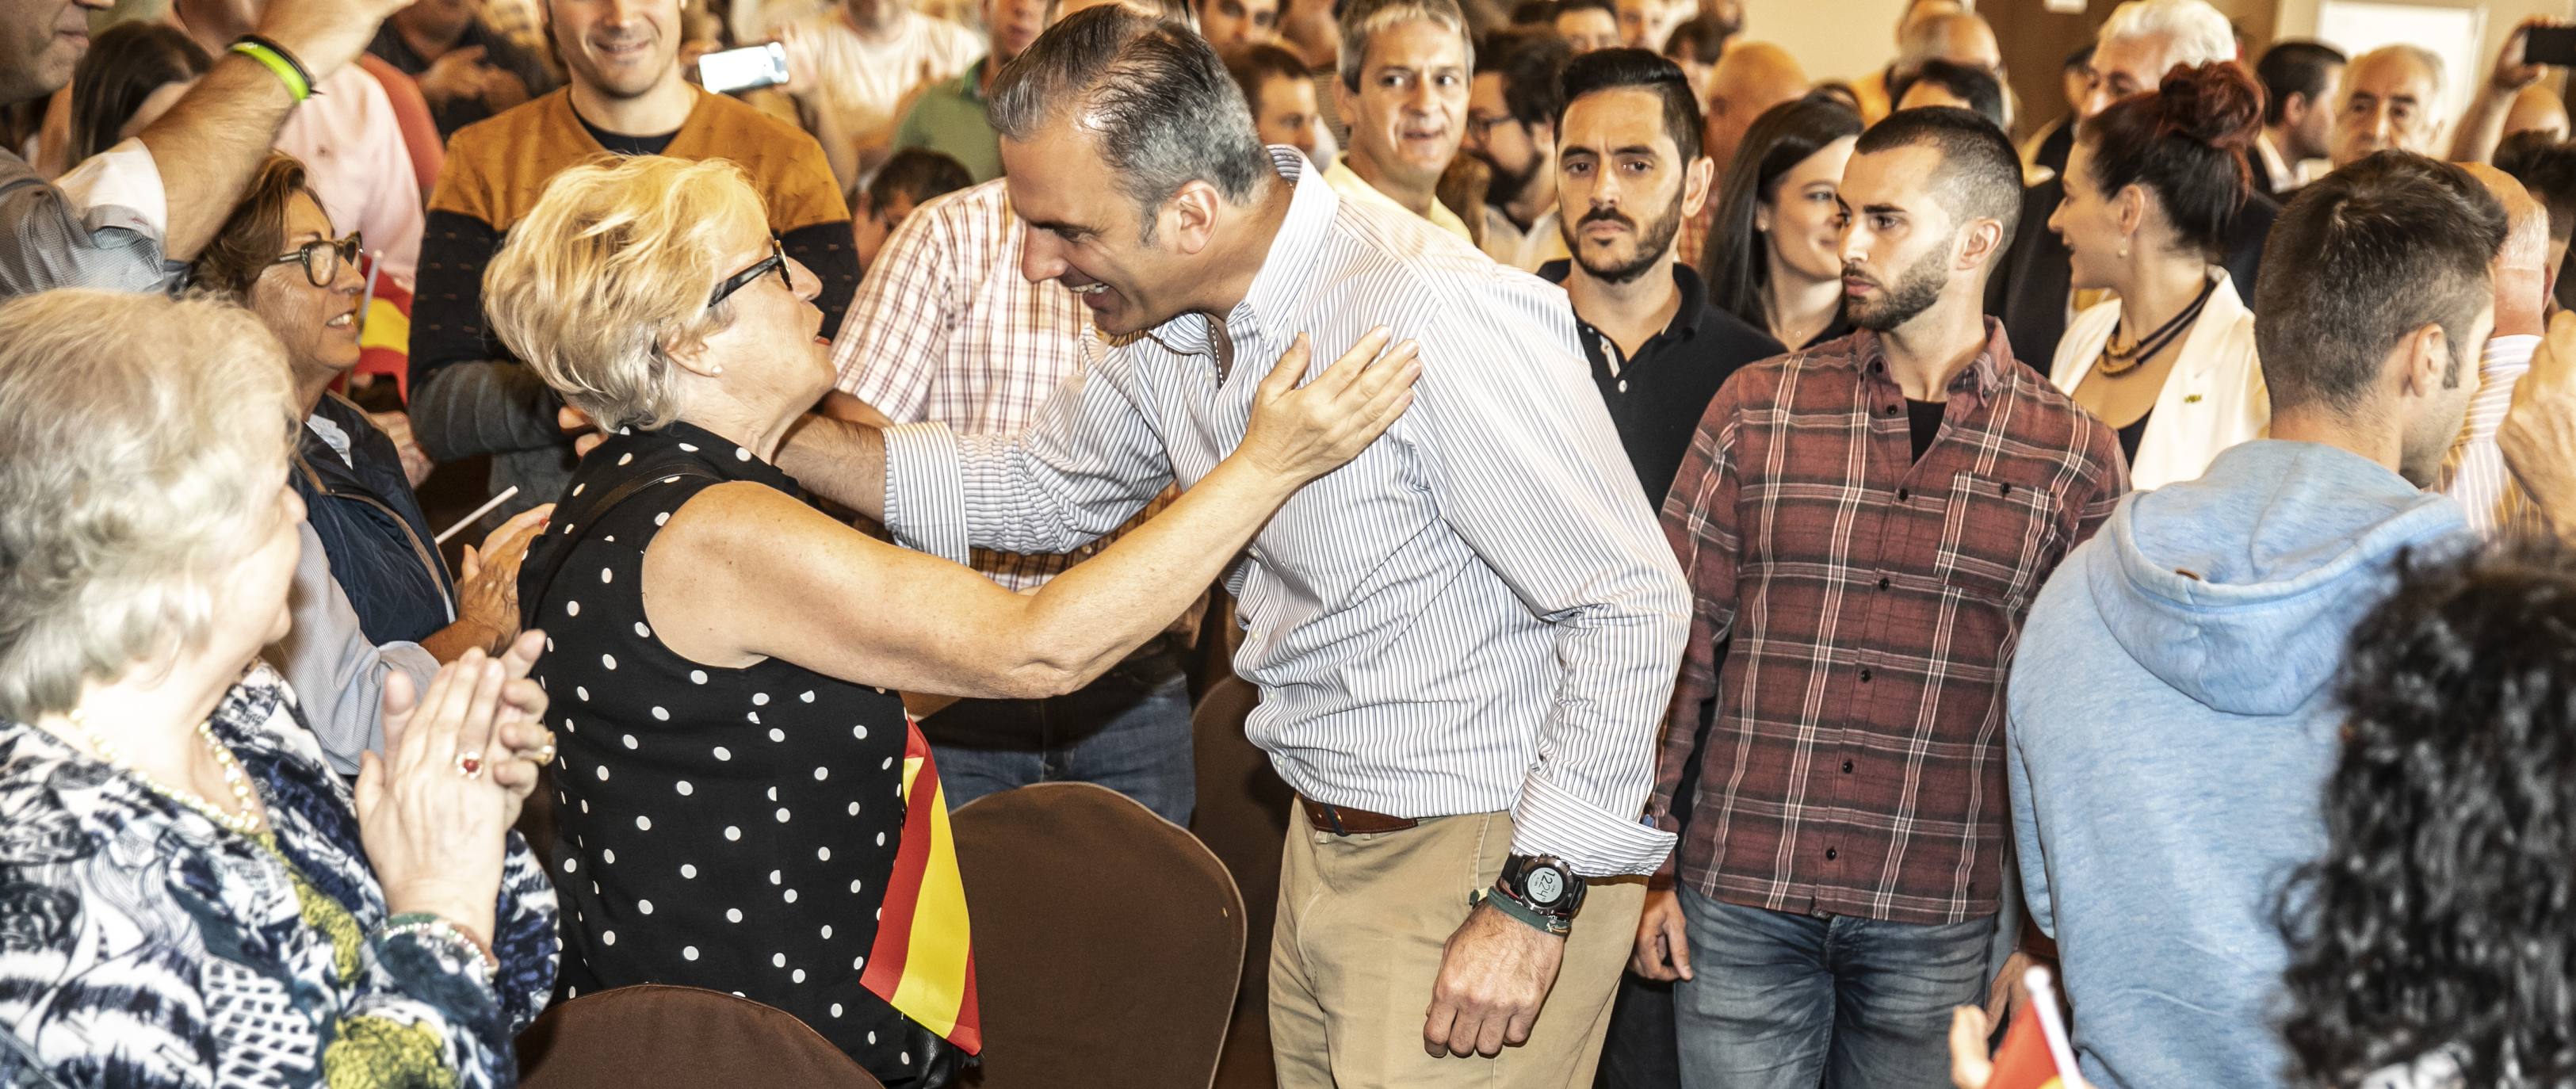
2442	915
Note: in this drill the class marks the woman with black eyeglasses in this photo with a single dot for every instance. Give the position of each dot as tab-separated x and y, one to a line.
742	804
278	256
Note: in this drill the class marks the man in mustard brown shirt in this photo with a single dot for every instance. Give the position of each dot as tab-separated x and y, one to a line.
468	396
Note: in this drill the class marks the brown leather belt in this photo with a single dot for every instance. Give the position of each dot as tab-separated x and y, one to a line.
1342	820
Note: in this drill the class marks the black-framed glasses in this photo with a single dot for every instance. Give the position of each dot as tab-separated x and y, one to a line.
322	257
777	259
1478	128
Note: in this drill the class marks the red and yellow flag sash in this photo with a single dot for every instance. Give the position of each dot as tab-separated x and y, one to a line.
923	963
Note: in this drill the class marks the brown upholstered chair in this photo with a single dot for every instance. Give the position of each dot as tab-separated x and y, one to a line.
1108	942
679	1038
1243	817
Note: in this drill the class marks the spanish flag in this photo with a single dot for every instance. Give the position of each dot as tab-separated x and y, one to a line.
384	335
924	960
2023	1062
2035	1052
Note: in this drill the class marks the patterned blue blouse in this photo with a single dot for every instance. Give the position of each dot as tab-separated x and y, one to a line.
142	945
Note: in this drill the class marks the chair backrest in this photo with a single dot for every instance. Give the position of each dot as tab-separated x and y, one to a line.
1108	941
679	1038
1242	815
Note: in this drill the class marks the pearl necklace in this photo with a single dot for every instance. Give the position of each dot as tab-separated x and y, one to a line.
247	822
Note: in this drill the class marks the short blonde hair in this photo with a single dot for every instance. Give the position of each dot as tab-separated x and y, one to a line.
616	260
143	441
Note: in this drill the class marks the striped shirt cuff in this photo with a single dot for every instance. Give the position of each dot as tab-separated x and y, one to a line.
1550	821
925	502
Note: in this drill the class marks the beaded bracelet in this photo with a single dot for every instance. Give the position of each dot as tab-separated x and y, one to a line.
422	924
275	58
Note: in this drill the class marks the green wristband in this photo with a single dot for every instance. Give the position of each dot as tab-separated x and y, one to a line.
286	70
1520	911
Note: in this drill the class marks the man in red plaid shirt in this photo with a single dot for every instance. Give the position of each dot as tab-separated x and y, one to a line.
1868	520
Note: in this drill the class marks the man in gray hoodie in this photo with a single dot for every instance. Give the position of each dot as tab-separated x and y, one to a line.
2171	721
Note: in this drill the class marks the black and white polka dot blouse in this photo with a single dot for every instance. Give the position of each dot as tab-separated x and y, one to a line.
731	829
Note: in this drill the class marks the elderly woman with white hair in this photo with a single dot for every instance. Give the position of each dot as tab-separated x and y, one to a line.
743	805
189	896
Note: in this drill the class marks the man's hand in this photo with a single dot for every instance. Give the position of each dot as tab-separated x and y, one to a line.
396	425
1663	938
2539	434
576	423
325	34
2513	73
503	89
457	73
1970	1066
1494	975
803	66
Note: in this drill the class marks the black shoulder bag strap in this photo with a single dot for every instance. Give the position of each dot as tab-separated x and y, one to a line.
581	518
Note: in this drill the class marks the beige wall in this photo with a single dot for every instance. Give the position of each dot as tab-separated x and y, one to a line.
1833	39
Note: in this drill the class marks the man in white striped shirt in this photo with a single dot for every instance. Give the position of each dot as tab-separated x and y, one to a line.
2474	472
1464	638
944	328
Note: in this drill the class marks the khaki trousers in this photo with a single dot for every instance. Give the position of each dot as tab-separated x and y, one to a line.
1362	923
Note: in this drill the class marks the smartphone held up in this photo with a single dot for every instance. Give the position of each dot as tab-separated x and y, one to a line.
744	69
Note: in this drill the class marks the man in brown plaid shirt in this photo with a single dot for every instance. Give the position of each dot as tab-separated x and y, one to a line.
1869	520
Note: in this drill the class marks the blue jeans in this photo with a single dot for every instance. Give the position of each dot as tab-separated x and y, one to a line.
1786	1001
1128	731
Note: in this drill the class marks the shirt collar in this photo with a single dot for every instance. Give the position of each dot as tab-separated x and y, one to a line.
1980	377
969	84
1284	273
2507	354
1686	318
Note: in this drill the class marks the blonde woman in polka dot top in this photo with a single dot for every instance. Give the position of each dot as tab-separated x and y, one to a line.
725	656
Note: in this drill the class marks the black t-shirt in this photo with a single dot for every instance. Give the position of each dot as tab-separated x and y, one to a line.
1657	396
623	144
1925	416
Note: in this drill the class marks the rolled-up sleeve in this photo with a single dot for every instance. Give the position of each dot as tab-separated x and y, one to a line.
1535	482
1088	463
103	226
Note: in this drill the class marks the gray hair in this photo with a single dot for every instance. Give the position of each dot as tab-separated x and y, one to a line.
1154	97
2200	33
2431	61
145	447
1363	19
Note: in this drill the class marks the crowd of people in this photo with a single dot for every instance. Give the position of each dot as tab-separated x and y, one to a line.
1734	566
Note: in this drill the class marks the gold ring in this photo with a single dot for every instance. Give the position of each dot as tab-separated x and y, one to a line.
545	754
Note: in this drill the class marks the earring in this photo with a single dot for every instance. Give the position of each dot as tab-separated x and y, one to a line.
720	370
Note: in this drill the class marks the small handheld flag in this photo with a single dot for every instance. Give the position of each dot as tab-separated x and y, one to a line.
2035	1053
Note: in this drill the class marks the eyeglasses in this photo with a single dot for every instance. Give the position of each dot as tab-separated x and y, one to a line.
1478	128
777	259
322	257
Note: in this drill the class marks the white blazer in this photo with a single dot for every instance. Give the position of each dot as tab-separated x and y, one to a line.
2212	399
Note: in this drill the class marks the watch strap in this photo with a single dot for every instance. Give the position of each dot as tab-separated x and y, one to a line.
1511	906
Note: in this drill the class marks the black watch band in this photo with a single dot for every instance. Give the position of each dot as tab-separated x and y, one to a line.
1542	887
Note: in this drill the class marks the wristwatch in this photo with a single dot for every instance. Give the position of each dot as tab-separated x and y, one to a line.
1546	891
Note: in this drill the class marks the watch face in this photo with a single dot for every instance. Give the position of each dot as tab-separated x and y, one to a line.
1545	886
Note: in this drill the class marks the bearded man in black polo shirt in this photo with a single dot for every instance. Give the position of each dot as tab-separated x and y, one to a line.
1629	174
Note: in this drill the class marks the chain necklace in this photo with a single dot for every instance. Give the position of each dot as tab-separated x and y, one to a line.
246	822
2116	362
